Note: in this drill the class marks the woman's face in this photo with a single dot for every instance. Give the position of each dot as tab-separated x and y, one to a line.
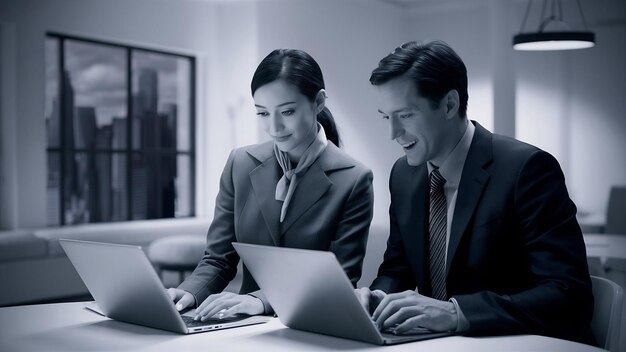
287	116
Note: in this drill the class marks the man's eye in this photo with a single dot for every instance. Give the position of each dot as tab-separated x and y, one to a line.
385	117
406	116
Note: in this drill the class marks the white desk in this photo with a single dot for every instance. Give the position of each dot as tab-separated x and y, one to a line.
69	327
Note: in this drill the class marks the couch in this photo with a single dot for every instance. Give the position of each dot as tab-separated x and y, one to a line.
34	268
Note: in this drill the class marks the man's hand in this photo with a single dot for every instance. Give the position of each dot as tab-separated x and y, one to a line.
226	304
369	299
409	310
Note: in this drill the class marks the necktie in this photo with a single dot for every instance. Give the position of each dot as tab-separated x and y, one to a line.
437	235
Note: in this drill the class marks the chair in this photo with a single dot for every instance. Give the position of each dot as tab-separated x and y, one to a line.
615	268
181	253
616	211
177	253
607	313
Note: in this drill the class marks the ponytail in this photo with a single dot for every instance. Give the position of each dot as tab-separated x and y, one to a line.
301	70
326	119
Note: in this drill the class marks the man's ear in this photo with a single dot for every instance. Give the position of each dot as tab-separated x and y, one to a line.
320	101
451	103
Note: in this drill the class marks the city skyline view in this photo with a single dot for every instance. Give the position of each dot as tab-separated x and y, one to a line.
93	175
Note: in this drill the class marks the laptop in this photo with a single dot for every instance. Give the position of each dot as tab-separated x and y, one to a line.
310	291
126	288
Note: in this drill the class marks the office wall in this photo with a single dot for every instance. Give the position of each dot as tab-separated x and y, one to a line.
449	21
570	104
347	38
230	118
229	39
8	176
573	105
188	27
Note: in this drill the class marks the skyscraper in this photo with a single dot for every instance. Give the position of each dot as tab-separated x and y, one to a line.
119	190
104	192
70	172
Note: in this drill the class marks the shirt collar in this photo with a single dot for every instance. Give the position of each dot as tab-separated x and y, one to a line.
452	167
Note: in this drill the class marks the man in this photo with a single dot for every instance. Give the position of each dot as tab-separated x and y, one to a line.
483	235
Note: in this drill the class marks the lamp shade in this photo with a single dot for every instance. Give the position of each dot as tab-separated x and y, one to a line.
553	41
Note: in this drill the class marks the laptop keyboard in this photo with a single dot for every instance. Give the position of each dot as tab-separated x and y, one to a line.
414	331
190	322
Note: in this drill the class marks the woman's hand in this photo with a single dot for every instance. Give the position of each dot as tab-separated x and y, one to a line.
181	298
226	303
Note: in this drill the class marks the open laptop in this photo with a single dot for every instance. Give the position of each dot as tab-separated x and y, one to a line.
310	291
126	288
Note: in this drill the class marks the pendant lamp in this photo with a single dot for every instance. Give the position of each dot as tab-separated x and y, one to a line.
553	33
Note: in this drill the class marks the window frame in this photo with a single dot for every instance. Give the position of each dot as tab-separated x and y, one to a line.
63	152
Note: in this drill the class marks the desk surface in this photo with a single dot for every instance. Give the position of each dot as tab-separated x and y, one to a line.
69	327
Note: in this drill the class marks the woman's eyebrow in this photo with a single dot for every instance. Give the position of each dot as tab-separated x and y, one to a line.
282	104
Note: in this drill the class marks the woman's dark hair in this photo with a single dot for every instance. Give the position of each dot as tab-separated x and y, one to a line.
299	69
434	67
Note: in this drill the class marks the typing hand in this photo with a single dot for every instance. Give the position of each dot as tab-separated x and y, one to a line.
226	303
410	310
369	299
181	298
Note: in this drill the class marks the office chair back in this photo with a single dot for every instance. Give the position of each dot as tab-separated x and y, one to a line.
616	211
607	313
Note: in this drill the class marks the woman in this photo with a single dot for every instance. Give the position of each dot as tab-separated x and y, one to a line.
295	191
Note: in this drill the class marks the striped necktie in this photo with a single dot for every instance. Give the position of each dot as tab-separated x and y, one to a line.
437	235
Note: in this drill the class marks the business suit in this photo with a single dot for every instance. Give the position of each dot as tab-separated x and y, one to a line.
331	209
516	260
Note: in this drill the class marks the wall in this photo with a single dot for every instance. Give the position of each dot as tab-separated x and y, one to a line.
8	176
347	38
572	105
568	103
230	119
158	24
449	21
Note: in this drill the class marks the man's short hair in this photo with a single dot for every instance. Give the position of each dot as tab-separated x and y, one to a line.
434	67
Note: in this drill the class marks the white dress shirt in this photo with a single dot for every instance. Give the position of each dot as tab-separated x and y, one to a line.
451	169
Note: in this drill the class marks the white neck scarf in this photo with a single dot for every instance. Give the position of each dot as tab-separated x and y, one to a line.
287	184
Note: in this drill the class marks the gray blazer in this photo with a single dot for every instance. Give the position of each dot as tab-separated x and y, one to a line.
331	209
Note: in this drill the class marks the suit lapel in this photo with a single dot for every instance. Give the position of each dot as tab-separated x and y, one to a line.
264	178
311	187
473	180
314	184
416	220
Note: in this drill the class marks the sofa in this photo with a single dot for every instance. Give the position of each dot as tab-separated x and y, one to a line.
34	268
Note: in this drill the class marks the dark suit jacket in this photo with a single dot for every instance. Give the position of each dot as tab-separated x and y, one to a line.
331	209
516	256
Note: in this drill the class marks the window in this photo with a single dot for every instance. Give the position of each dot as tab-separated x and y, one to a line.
119	122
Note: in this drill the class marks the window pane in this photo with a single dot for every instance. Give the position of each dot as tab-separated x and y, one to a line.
161	101
153	185
99	194
53	189
52	113
102	164
184	198
96	95
119	188
139	187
